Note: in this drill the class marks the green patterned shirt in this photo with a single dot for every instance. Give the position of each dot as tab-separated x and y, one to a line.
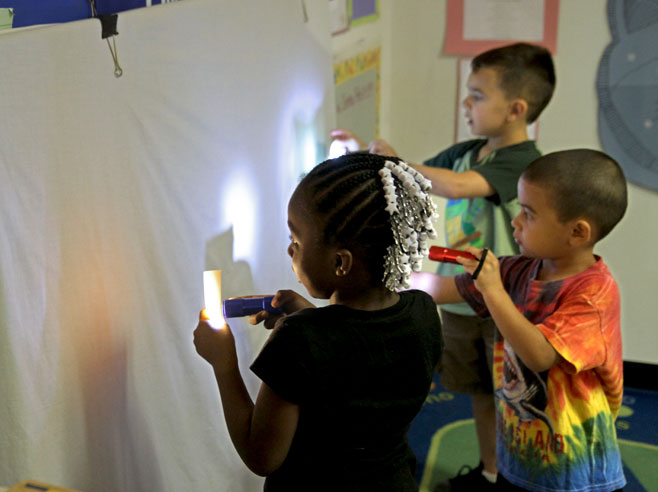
483	222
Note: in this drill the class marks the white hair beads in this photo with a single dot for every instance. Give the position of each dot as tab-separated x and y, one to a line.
412	213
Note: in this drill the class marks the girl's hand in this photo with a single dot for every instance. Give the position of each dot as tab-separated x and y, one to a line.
217	346
488	279
288	300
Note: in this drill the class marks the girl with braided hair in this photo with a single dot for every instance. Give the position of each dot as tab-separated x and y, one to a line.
340	383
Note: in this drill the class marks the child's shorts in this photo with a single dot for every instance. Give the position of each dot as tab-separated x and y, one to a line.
467	359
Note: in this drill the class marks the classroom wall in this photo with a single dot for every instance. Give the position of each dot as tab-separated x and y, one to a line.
419	90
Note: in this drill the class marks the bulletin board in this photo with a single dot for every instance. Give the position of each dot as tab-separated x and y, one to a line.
357	85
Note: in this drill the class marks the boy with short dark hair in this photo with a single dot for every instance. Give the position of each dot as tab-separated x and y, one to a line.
558	360
507	89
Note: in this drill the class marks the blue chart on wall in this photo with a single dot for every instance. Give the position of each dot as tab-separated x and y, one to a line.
627	86
32	12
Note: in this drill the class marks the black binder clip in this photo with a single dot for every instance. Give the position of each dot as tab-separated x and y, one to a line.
109	29
108	24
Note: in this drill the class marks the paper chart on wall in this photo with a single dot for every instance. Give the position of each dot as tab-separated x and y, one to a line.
473	26
339	20
503	20
357	94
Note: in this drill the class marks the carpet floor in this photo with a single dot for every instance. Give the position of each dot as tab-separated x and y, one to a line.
443	438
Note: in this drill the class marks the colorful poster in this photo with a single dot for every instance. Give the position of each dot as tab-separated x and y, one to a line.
362	11
357	94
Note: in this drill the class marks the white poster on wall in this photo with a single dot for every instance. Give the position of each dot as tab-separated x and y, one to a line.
504	19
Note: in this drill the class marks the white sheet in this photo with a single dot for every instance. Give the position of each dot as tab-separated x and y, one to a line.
115	195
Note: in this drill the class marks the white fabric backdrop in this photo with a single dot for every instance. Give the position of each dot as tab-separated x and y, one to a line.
115	195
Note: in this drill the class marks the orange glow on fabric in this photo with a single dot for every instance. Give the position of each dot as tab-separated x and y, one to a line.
212	296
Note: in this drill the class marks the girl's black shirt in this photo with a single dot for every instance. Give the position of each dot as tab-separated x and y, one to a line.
359	377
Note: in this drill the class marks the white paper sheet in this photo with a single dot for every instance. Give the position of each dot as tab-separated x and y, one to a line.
504	19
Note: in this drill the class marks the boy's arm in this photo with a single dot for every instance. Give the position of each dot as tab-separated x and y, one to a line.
442	289
524	337
445	182
450	184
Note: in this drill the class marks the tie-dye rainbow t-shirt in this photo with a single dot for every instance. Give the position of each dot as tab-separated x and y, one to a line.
556	429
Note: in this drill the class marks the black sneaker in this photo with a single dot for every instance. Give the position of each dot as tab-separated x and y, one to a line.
470	479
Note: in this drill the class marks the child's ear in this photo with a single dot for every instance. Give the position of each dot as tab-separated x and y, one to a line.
581	232
344	261
518	109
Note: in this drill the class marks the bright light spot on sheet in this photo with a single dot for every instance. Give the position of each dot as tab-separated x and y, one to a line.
303	128
240	207
309	154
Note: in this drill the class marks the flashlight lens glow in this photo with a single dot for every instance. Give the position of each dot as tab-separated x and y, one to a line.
342	147
212	296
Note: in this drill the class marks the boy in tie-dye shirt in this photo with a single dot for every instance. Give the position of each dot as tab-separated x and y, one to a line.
558	361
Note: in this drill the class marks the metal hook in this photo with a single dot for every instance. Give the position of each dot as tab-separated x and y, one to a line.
118	71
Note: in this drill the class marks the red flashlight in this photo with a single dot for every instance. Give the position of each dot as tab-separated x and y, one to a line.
447	255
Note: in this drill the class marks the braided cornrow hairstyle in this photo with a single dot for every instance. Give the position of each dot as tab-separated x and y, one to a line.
376	206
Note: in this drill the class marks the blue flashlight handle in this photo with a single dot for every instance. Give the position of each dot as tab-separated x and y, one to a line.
244	306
